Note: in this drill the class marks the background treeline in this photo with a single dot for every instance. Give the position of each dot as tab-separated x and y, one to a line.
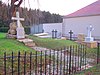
31	16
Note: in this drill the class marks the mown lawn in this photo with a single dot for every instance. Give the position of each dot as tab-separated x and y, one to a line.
52	43
92	71
9	45
57	43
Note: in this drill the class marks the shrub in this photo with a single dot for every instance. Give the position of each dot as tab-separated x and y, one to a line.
27	30
4	29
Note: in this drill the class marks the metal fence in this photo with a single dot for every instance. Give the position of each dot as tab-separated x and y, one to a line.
98	53
66	61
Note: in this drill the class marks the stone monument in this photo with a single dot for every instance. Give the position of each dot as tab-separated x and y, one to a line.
89	40
20	30
16	29
12	31
81	37
70	34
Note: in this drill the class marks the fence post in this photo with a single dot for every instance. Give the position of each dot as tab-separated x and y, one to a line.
98	52
25	63
85	57
41	64
5	63
50	63
76	58
64	61
80	57
45	62
30	61
12	63
53	62
73	59
57	61
70	61
36	64
19	63
61	62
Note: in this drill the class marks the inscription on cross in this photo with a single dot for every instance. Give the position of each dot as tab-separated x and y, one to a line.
18	19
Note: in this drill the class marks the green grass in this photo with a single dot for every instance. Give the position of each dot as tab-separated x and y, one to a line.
2	35
57	43
52	43
9	45
92	71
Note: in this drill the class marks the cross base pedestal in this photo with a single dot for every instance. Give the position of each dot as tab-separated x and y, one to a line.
20	33
89	39
92	44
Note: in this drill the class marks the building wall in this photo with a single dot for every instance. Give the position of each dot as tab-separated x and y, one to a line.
80	24
48	27
37	29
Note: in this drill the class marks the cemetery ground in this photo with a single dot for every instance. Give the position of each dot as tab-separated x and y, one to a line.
57	44
91	71
52	43
9	45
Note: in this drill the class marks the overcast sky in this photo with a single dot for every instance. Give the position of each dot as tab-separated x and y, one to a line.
62	7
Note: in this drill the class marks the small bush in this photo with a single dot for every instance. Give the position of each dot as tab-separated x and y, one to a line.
27	30
4	29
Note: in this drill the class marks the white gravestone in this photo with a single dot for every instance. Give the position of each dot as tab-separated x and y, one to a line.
89	38
20	29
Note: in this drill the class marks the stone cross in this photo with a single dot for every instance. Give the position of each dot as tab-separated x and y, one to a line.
70	33
90	29
89	38
20	29
18	19
54	33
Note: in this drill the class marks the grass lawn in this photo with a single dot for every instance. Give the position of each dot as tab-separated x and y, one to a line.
57	43
52	43
92	71
9	45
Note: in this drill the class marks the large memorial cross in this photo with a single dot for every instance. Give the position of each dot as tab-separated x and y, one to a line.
20	29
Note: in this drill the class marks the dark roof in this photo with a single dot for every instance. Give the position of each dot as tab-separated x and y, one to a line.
92	9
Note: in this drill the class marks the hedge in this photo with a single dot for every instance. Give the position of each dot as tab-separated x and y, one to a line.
4	29
27	30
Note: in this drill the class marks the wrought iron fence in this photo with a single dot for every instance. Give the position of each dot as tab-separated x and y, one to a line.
98	53
66	61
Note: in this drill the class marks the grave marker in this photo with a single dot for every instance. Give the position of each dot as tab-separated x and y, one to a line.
81	37
89	41
20	29
89	38
70	34
54	33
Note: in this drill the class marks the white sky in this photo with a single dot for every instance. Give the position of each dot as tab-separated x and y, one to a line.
62	7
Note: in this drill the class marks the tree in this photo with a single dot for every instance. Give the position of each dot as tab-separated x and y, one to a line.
31	16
